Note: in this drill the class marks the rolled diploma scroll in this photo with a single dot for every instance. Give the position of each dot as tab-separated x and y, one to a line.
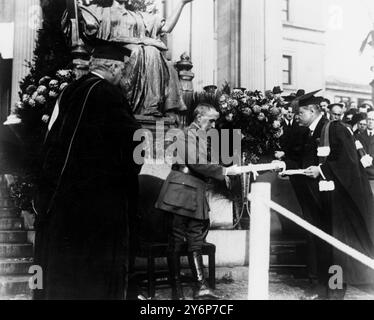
292	172
264	167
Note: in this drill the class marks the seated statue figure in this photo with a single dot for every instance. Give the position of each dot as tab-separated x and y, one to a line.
149	81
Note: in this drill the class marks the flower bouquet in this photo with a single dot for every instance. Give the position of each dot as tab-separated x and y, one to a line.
258	116
26	127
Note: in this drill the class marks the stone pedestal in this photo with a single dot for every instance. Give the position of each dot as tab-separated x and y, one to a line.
156	167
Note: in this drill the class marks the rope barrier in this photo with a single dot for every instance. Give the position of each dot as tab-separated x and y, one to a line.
317	232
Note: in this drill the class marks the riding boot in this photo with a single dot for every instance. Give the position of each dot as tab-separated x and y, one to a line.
174	277
203	291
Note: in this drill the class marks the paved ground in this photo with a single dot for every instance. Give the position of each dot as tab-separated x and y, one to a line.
282	287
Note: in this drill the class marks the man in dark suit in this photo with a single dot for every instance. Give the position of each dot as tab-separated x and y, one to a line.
183	198
367	139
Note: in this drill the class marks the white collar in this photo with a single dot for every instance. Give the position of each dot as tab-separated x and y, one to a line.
370	131
98	75
314	124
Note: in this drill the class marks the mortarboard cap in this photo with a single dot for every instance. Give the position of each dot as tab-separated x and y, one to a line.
290	97
309	99
110	51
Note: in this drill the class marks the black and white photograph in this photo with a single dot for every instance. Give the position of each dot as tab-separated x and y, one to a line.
200	151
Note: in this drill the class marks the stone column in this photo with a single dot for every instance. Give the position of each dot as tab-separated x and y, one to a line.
27	21
273	44
203	44
229	42
261	44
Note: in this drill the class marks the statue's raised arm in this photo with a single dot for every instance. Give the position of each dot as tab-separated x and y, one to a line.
149	81
173	19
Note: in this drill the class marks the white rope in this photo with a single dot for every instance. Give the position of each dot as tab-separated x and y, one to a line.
317	232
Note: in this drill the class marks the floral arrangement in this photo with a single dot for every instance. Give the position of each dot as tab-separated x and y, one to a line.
38	99
257	115
21	192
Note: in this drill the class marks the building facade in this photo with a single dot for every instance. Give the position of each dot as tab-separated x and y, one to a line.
19	23
256	44
339	91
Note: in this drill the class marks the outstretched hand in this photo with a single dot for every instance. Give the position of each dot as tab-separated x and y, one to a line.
312	172
234	170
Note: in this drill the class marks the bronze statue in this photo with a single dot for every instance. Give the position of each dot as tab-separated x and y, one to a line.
149	81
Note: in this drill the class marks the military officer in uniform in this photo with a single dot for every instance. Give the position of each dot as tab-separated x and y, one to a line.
183	197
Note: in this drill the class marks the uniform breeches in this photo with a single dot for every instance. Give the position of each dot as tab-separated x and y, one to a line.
185	230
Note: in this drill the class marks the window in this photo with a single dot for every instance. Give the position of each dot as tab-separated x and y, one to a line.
287	70
345	99
362	101
286	10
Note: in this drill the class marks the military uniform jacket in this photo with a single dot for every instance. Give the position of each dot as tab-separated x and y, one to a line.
185	193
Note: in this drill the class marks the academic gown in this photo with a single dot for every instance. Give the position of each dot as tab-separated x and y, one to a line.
350	204
82	225
301	153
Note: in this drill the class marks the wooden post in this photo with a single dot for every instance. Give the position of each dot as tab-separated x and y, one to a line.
259	243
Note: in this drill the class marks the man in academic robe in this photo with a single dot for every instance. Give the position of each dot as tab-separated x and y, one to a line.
292	140
87	187
349	201
366	138
311	201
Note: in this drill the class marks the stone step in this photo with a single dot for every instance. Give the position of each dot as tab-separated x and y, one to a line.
13	236
8	212
11	286
11	250
11	223
15	266
16	297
